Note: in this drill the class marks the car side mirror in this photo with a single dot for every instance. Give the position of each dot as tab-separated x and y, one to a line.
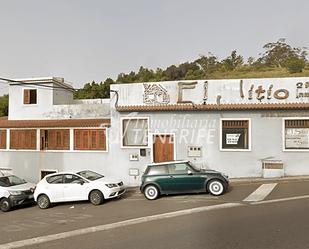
81	182
189	172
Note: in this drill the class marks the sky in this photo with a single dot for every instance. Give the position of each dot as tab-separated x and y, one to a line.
91	40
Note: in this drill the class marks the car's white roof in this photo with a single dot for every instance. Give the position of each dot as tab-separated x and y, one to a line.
169	162
69	172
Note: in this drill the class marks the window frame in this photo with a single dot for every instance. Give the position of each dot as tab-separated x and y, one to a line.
249	135
72	149
29	90
122	135
50	170
284	149
23	149
54	129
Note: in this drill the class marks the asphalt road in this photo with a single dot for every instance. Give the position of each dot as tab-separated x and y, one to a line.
278	224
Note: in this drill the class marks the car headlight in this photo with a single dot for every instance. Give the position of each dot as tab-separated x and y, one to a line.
15	192
111	185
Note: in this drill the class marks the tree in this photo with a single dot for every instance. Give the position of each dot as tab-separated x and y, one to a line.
278	53
208	64
295	65
233	61
94	90
4	105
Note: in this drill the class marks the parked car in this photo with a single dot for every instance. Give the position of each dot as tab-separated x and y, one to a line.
14	191
80	186
178	177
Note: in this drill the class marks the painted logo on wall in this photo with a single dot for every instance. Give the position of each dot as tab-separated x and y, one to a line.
155	94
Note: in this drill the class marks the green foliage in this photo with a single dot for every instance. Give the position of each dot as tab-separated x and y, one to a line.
295	65
279	60
94	90
232	62
278	53
4	105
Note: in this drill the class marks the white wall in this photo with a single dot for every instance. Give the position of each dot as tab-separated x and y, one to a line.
19	111
229	90
61	96
54	104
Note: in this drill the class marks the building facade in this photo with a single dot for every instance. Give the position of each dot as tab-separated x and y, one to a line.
244	128
47	131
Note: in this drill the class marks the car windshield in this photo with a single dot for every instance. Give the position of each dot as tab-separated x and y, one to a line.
90	175
194	167
8	181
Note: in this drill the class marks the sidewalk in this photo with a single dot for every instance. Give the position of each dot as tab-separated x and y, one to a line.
249	180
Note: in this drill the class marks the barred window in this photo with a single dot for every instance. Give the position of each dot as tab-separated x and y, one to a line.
235	134
296	134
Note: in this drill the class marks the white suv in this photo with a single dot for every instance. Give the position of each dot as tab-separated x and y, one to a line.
14	191
84	185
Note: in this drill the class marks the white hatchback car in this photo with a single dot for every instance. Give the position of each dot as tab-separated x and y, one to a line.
14	191
84	185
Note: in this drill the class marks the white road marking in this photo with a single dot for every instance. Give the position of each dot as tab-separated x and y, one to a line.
260	193
64	235
282	199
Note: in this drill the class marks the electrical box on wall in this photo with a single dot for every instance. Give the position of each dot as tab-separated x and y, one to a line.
133	172
194	151
134	157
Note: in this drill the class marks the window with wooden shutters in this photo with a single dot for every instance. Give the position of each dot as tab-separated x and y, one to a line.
296	134
235	134
30	96
55	139
23	139
90	139
3	139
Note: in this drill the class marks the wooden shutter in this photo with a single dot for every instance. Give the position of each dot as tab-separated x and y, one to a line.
235	124
101	138
56	139
26	96
2	139
90	139
297	123
23	139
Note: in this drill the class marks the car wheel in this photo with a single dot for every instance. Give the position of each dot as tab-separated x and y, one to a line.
5	205
43	202
96	197
151	192
215	187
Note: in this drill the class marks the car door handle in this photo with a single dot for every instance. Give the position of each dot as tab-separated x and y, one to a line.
171	176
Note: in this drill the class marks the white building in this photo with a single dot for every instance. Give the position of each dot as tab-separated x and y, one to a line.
245	128
48	131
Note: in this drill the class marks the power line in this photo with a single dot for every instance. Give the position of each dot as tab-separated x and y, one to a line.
42	85
19	82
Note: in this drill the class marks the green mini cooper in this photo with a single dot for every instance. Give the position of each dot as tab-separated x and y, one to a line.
178	177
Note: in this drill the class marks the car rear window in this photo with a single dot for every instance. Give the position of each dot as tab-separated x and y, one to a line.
157	170
54	179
